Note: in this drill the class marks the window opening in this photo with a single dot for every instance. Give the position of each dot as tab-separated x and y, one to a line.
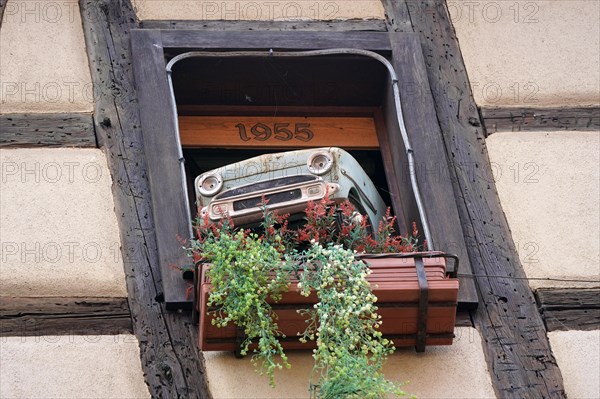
312	53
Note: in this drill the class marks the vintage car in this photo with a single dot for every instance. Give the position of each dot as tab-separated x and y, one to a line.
288	180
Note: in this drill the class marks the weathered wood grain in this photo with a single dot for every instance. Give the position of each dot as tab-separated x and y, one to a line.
171	214
540	119
570	309
397	17
572	319
47	130
64	316
376	41
431	164
270	26
393	155
517	350
270	110
568	298
172	365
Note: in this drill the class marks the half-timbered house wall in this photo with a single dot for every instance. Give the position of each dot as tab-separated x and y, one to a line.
65	323
81	298
535	72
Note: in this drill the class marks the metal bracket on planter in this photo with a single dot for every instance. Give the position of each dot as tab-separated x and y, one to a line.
423	305
240	337
195	308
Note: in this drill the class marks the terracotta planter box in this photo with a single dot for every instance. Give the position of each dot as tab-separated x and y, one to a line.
415	311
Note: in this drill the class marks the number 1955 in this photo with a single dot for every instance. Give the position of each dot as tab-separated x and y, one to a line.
280	131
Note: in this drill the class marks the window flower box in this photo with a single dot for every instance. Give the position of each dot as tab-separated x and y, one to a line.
417	298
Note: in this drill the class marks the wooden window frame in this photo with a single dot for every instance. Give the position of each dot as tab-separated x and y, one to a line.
161	150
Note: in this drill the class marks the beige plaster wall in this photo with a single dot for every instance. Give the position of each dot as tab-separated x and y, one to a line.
259	10
71	367
578	356
548	184
530	53
457	371
43	61
58	230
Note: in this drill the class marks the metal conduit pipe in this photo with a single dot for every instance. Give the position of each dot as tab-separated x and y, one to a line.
310	53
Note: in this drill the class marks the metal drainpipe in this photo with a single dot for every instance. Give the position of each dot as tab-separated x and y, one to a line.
310	53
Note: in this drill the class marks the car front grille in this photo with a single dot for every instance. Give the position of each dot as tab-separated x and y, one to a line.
275	198
265	185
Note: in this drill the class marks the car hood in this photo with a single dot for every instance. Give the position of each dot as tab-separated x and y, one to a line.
269	166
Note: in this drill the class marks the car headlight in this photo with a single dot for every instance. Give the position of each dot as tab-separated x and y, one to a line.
320	162
210	184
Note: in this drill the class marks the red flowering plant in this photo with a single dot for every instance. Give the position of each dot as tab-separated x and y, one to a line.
340	223
250	269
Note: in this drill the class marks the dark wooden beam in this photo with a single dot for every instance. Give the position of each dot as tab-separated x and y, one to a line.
270	26
431	164
570	309
393	155
170	209
259	110
397	17
540	119
64	316
375	41
47	130
517	350
172	365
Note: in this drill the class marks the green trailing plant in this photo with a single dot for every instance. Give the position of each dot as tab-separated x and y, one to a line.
350	348
246	272
250	270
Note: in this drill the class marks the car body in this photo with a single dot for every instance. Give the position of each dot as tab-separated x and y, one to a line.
289	180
